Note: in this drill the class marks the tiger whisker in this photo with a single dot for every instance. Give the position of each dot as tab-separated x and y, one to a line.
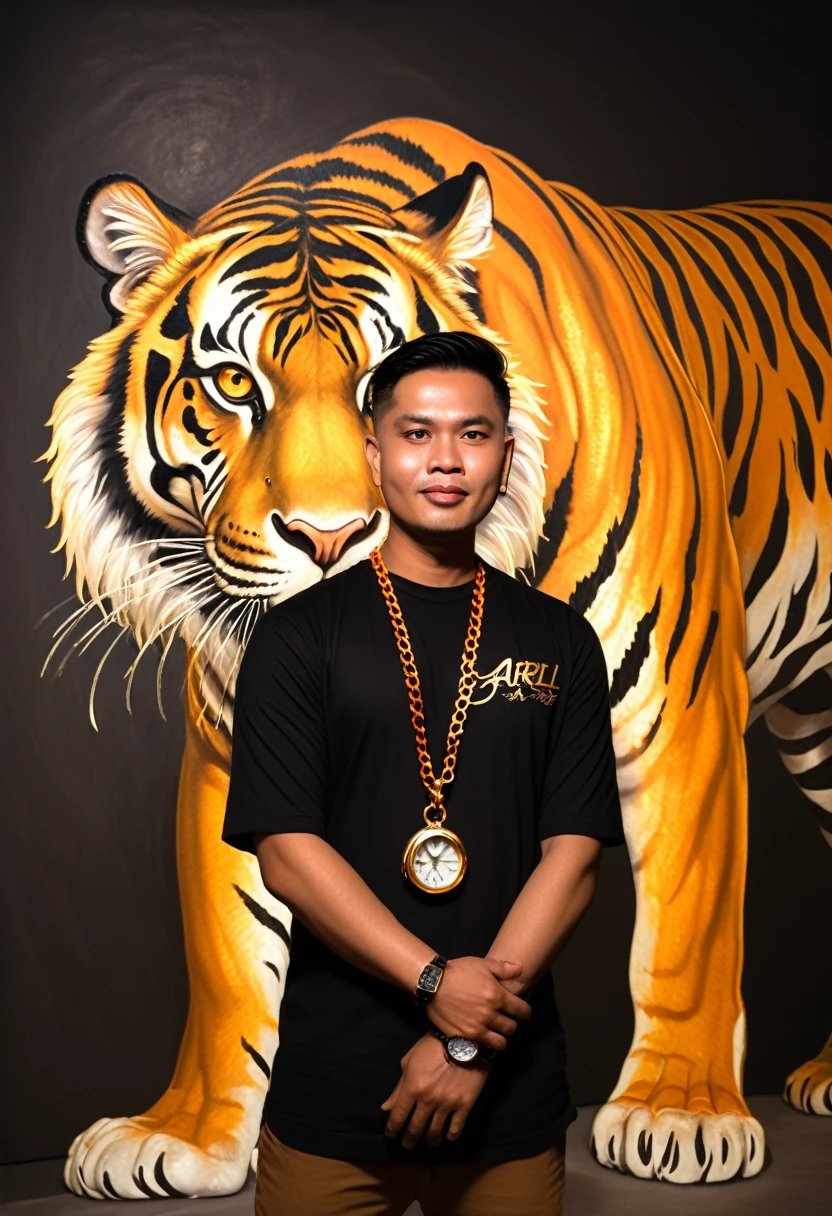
99	669
157	633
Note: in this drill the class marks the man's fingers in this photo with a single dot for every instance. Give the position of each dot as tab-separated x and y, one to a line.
436	1126
502	970
503	1025
398	1114
491	1039
418	1121
457	1122
516	1007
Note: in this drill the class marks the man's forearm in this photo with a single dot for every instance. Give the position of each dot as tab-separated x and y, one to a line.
318	885
548	908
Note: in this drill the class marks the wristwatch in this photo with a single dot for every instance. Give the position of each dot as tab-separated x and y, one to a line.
429	980
464	1051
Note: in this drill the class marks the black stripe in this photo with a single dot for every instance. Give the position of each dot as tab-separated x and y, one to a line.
772	550
814	375
704	653
796	612
804	450
299	199
688	299
588	587
139	1180
799	747
520	247
800	278
345	251
177	323
732	407
810	697
272	967
112	468
717	285
827	612
281	330
325	170
405	150
207	341
270	254
555	524
360	282
265	918
739	493
755	653
240	306
191	424
827	470
544	198
295	338
328	321
258	1059
266	283
626	676
744	284
690	558
425	317
817	778
659	294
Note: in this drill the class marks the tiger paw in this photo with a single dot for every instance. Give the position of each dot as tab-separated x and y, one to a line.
142	1158
676	1125
809	1088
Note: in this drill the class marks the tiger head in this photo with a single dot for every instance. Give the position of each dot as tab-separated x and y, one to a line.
207	457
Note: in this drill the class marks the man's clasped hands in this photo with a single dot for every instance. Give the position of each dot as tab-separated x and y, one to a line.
476	999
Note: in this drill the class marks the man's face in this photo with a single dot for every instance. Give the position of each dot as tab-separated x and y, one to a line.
440	452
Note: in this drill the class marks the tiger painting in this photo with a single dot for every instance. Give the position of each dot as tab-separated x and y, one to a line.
670	377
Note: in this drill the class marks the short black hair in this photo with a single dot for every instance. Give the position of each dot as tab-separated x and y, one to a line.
451	351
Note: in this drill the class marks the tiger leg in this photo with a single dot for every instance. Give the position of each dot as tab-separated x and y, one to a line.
199	1137
802	725
677	1112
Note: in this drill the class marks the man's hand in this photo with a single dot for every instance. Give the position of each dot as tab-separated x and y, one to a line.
472	1002
438	1089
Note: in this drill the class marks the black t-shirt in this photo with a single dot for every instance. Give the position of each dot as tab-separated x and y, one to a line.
323	743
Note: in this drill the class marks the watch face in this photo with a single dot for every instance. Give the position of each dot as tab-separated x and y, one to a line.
429	979
462	1050
436	862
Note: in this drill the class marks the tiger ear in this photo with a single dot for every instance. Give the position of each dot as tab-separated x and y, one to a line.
456	217
126	233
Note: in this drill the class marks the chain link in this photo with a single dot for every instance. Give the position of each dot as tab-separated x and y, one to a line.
467	680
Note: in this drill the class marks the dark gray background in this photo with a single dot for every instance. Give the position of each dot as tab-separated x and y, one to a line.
638	106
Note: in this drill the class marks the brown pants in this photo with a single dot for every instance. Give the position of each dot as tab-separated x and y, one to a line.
292	1183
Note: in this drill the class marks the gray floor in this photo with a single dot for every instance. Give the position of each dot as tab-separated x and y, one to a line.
797	1181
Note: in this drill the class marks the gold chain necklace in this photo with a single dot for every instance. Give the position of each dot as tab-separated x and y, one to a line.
434	859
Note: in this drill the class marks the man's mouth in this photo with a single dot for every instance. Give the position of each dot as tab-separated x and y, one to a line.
444	495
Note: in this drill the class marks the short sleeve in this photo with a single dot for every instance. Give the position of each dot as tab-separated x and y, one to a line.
278	749
580	791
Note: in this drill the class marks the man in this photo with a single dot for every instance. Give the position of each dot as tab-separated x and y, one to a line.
433	874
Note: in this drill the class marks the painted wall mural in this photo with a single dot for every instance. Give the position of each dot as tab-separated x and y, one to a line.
672	480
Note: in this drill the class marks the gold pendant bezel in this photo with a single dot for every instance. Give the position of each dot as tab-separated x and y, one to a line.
413	844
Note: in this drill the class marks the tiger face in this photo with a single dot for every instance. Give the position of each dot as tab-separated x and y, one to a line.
208	458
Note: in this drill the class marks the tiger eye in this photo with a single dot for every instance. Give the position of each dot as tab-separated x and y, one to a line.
234	383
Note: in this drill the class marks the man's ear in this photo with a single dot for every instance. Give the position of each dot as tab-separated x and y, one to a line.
373	457
126	233
455	218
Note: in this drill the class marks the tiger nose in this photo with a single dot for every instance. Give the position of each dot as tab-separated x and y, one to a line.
323	545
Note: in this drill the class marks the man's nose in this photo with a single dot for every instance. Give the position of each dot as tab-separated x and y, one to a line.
445	456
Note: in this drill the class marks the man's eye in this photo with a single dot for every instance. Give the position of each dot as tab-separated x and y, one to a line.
474	435
416	434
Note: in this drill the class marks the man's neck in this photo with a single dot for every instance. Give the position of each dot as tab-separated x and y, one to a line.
437	560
